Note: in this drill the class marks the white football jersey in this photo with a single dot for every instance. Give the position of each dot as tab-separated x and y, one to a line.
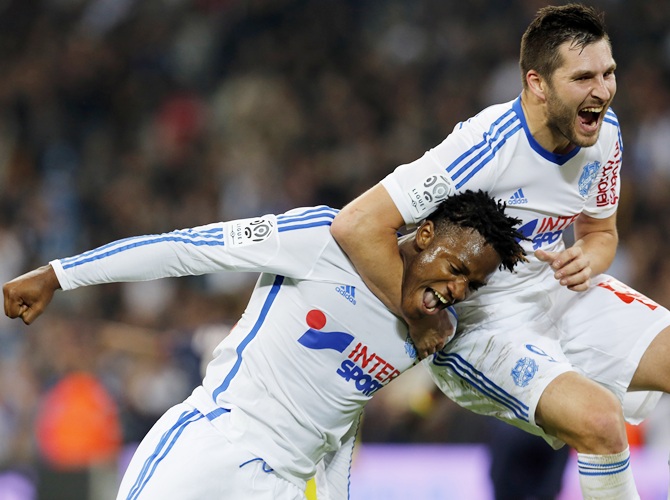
495	152
312	347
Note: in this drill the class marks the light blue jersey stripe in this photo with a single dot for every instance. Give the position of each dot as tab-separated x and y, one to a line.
306	225
480	382
162	449
250	336
312	212
320	216
474	159
212	237
611	117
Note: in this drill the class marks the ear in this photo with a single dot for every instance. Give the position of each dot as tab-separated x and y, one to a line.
536	84
425	234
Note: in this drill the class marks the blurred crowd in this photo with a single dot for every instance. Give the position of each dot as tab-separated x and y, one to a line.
126	117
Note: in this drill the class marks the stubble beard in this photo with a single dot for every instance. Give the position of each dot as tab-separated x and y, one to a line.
562	120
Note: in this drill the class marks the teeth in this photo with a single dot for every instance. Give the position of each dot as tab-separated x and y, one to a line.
440	296
593	110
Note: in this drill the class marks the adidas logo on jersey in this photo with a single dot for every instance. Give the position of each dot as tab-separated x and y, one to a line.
348	292
517	198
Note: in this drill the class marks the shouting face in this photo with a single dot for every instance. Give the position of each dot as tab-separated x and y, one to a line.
579	93
444	269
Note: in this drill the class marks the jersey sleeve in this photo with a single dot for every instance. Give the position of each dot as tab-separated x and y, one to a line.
417	188
603	198
466	159
288	244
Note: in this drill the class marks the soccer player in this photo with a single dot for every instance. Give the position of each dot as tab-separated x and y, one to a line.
286	388
558	347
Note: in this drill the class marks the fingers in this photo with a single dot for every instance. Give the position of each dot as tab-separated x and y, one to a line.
429	351
16	308
29	314
13	304
27	296
571	267
545	256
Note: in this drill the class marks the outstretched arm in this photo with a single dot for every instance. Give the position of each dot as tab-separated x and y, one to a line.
27	296
289	244
366	229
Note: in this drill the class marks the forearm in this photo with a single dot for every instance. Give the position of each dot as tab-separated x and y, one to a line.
381	271
598	240
366	229
600	250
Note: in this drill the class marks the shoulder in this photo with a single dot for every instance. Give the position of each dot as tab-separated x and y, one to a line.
484	139
489	118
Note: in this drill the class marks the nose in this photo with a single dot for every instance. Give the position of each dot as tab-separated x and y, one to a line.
459	288
603	89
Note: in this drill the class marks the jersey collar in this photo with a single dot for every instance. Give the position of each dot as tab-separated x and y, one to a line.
558	159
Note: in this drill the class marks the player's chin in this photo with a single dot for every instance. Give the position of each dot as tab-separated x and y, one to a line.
587	136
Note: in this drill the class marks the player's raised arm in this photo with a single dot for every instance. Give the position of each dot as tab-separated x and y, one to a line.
27	296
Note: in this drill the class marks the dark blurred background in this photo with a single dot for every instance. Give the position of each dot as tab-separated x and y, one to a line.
126	117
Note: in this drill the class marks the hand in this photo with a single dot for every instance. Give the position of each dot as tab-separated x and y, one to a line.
571	267
431	333
27	296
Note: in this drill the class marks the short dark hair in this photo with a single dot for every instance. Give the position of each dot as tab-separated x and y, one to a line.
553	26
479	211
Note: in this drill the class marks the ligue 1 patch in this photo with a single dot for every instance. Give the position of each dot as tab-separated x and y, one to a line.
249	231
424	197
524	371
588	176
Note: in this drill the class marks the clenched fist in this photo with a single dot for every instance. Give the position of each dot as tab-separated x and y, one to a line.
27	296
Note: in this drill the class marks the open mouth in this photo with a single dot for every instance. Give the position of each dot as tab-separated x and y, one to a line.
589	117
434	301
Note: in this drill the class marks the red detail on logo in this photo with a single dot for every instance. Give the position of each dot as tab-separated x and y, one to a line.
316	319
609	179
371	362
627	294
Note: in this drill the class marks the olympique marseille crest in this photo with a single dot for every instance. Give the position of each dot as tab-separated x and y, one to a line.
524	371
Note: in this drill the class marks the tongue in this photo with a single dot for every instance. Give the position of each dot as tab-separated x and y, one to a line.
429	299
588	119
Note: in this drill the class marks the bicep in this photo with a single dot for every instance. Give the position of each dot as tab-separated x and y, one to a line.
372	213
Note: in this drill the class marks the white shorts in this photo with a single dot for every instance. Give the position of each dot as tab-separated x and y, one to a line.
504	355
185	457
